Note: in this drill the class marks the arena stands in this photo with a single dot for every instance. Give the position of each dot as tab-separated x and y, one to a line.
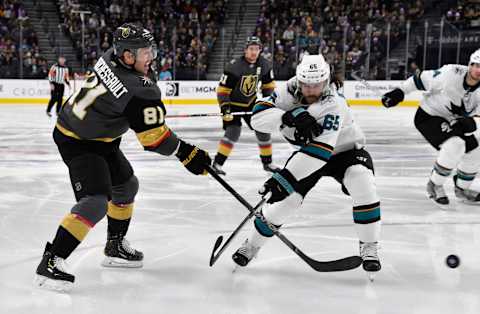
314	26
185	30
12	13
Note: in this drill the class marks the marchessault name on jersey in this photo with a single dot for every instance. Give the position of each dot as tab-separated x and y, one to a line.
109	79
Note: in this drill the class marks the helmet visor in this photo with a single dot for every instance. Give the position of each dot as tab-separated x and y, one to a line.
150	52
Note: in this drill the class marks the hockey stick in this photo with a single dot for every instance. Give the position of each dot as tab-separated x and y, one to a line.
214	257
346	263
212	114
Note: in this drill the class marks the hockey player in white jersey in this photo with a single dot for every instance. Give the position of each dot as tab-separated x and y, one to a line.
311	115
449	119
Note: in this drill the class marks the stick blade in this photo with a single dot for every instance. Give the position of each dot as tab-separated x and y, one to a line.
215	247
347	263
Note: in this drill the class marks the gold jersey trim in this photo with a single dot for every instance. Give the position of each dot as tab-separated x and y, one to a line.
71	134
120	212
153	137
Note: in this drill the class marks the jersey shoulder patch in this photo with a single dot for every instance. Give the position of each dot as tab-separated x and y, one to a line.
455	69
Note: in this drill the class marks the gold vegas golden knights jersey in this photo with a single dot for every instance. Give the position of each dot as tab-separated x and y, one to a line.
113	99
239	83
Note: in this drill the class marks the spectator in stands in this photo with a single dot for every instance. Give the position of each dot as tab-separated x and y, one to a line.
10	45
183	24
322	26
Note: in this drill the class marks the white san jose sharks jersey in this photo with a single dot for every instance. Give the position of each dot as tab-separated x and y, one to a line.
447	94
340	132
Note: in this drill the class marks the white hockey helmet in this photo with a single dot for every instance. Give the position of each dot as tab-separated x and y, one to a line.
313	69
475	57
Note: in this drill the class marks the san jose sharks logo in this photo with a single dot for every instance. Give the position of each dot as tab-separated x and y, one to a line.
459	111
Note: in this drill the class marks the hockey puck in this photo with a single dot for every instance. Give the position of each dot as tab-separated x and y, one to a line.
452	261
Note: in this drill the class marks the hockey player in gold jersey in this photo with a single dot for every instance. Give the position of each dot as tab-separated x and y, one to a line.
237	92
120	94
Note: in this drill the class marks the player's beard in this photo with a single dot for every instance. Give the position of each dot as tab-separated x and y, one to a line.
475	75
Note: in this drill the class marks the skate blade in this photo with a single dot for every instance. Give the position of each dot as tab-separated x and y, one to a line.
53	285
442	206
116	262
468	202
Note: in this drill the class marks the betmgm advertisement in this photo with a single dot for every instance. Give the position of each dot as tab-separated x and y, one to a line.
188	92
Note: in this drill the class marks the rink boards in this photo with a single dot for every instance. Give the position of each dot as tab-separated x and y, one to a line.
29	92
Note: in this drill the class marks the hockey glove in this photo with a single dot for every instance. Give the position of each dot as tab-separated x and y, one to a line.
226	113
280	185
393	98
193	158
306	126
464	125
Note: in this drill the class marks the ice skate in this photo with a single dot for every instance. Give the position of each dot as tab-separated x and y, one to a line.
271	167
371	262
466	195
119	253
51	272
218	169
437	194
245	254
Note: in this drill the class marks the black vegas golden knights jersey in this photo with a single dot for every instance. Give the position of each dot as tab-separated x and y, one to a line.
113	99
239	82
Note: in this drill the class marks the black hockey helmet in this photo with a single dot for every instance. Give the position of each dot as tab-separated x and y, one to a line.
131	37
253	40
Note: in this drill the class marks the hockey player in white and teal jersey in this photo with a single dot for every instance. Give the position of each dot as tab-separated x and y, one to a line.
311	115
449	119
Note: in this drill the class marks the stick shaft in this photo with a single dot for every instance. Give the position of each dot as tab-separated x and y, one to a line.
211	114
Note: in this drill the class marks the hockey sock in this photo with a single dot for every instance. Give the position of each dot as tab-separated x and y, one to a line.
118	216
72	230
224	149
468	168
265	153
452	150
367	222
439	174
464	180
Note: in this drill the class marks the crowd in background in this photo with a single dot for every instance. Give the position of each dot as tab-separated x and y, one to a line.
12	13
185	30
333	27
464	14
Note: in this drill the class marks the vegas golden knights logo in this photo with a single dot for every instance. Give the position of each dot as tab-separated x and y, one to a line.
248	86
125	31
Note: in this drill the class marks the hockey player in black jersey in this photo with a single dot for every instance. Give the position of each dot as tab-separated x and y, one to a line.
237	92
120	94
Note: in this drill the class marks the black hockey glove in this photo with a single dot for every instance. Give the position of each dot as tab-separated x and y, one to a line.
306	126
464	125
392	98
226	113
193	158
280	185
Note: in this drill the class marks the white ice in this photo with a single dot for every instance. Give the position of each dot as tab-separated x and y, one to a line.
178	216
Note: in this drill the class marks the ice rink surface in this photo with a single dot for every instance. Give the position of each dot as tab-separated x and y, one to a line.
178	216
